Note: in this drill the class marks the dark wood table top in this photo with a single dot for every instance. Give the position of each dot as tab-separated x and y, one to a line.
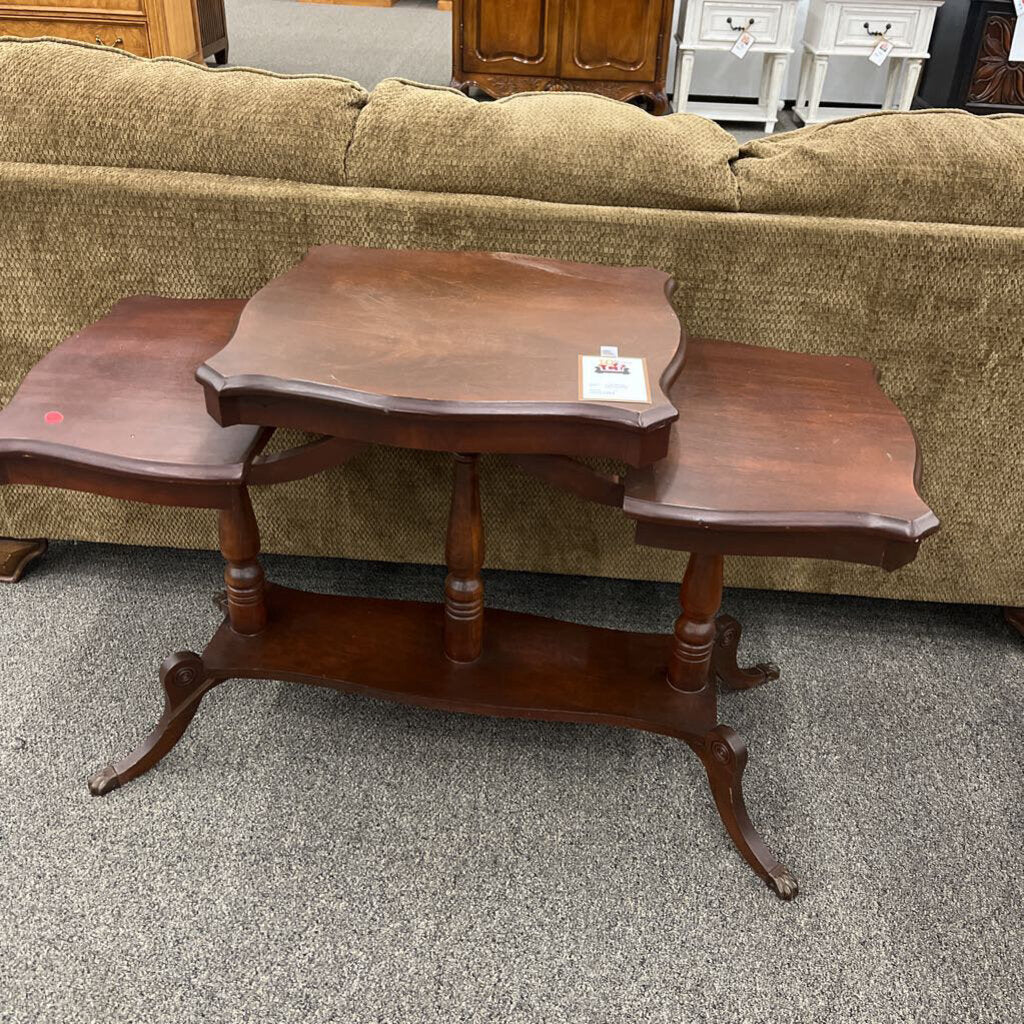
472	351
778	453
120	398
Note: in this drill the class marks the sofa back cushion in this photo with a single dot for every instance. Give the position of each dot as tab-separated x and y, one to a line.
561	147
944	166
64	102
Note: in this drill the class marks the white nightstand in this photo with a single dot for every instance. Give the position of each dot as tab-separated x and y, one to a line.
835	28
715	25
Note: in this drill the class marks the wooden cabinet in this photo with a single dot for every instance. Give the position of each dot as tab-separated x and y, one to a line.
615	47
149	28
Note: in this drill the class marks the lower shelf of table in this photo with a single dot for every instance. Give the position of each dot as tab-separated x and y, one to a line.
531	667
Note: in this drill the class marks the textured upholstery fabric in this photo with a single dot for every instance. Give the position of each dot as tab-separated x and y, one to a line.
945	166
558	147
65	102
935	306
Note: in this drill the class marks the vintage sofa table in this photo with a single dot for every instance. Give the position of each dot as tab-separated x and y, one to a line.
733	449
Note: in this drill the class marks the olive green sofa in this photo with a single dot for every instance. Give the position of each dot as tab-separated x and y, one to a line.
896	237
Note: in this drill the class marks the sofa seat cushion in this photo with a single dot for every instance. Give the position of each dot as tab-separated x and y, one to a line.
942	166
64	102
560	147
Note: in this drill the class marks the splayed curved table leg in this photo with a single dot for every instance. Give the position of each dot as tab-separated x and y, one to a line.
185	683
723	752
724	663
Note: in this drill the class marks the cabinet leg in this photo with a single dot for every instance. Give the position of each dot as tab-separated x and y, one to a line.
17	555
819	68
773	98
185	683
243	574
804	85
723	752
892	83
464	553
684	73
766	74
910	79
1015	617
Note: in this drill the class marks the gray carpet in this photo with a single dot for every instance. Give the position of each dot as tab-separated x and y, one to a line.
308	856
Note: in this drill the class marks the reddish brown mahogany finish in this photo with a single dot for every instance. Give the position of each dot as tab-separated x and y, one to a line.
243	574
826	468
464	553
700	597
17	555
450	351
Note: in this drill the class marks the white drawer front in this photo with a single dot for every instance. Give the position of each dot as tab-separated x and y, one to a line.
715	28
851	34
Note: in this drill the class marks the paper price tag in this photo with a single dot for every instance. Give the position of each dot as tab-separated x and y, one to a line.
882	50
1018	6
1017	45
614	379
742	44
609	350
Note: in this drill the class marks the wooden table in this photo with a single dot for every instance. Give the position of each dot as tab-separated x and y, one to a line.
470	353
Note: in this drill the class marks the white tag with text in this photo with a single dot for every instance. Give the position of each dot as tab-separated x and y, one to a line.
742	44
609	350
882	50
614	379
1017	46
1018	6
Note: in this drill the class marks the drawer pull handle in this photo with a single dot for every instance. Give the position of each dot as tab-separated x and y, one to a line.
739	28
881	33
117	42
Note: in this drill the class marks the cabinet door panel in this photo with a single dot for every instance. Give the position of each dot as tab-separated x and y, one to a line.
510	37
612	39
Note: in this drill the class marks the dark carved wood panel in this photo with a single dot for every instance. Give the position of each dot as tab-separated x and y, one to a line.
510	35
995	79
615	39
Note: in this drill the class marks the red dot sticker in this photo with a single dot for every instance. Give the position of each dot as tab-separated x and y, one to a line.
54	417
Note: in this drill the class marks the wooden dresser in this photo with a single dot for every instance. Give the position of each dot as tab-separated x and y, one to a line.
615	47
149	28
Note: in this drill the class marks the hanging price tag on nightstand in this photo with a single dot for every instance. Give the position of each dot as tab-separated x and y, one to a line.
882	50
742	44
1017	43
1018	6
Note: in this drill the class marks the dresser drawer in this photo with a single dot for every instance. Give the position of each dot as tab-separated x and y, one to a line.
133	36
715	27
852	36
66	6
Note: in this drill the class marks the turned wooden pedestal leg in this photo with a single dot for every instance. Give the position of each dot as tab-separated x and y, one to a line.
722	751
464	553
243	574
183	676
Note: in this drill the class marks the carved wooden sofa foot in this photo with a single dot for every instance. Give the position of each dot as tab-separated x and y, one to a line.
17	555
827	468
85	418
